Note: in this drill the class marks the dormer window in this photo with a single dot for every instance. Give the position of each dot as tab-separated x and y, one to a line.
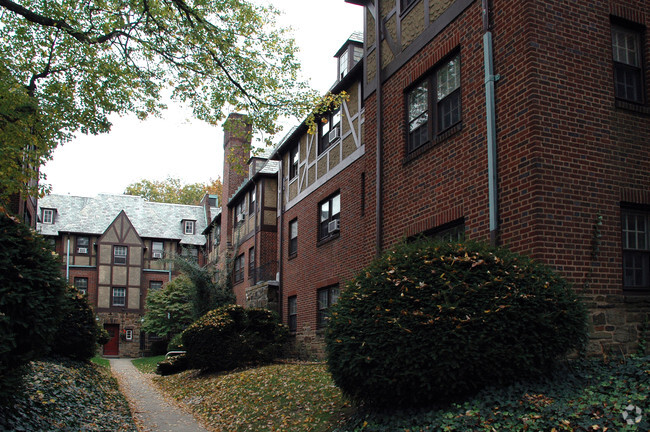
350	55
48	216
188	227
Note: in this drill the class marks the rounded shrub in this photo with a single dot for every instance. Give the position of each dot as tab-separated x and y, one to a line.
172	365
231	336
430	321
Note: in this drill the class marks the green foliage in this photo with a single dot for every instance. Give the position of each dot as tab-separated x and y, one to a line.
147	364
101	361
31	294
172	365
172	190
66	67
231	336
207	290
588	395
79	333
176	343
169	310
328	103
66	395
432	321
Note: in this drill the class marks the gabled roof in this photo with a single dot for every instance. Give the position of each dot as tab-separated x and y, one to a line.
93	215
270	169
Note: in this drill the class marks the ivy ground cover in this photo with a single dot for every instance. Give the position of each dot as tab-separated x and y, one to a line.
65	395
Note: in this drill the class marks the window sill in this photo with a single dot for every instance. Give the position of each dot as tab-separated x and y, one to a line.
415	154
328	239
629	106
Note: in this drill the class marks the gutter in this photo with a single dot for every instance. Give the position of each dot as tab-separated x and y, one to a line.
67	260
281	234
490	110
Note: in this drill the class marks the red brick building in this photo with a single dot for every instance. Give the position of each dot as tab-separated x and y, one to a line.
523	123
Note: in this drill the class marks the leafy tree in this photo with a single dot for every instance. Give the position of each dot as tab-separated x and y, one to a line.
31	293
66	66
169	310
210	288
172	190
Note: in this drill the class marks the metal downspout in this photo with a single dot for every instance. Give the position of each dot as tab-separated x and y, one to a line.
490	109
379	215
281	229
67	260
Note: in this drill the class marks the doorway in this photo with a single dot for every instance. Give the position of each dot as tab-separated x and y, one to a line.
112	347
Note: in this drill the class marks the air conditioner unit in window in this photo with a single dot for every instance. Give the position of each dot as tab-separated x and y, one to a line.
334	134
334	226
157	255
82	250
241	217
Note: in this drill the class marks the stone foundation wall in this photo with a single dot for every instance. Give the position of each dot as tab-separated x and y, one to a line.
307	344
126	321
617	324
263	295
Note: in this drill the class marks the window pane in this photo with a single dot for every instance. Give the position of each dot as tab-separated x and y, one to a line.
448	78
293	228
334	295
324	211
336	119
322	299
293	306
417	106
157	246
625	46
336	205
449	111
82	241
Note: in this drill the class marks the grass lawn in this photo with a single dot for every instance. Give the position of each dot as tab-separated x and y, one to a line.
589	395
147	364
101	361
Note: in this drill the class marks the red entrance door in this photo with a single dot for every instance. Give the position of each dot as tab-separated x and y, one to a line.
113	345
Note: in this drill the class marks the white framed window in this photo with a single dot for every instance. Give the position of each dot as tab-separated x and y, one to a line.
119	255
118	297
157	249
628	66
188	227
81	283
329	213
326	298
293	237
128	334
83	244
48	216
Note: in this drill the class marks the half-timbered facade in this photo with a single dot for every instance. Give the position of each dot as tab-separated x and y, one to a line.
115	248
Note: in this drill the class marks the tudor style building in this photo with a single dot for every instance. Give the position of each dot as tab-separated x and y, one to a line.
113	247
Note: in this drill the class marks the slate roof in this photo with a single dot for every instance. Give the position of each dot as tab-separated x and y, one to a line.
93	215
271	167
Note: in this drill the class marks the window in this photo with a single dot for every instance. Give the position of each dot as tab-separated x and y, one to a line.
155	285
628	73
239	268
119	297
329	214
239	212
636	249
433	105
217	235
251	201
251	262
330	130
157	250
48	216
293	313
188	227
119	255
344	63
293	237
294	158
326	298
190	253
82	245
81	283
450	232
128	334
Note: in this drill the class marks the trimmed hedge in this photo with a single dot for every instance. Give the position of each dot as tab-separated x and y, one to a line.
430	321
231	336
172	365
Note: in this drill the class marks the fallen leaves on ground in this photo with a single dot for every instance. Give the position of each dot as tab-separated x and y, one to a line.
281	397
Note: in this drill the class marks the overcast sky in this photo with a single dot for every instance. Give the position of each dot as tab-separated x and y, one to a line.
178	145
